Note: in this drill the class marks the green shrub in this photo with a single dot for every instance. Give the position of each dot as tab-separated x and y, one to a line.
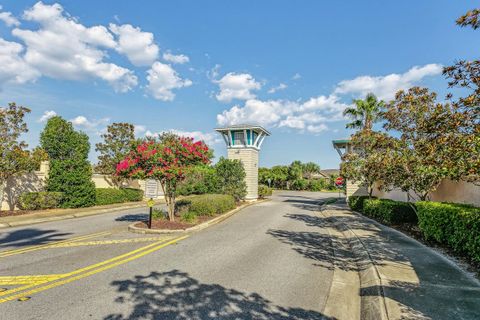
316	185
40	200
389	211
231	178
159	214
264	191
356	202
299	184
199	180
189	217
455	225
206	204
106	196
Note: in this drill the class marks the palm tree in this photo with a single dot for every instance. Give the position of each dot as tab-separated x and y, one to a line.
365	113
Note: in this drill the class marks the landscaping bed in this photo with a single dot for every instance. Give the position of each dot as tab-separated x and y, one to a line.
12	213
192	211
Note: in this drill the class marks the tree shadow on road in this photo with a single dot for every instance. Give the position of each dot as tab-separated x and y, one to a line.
31	236
429	293
176	295
133	217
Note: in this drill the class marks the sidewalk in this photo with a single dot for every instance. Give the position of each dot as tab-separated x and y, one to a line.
62	214
399	278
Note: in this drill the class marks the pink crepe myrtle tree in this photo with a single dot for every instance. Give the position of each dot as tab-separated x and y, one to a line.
165	160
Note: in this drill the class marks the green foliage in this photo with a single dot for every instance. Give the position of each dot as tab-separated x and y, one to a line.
70	171
299	184
206	204
231	178
389	211
455	225
189	217
356	202
199	180
40	200
106	196
117	143
365	113
264	191
158	214
14	159
296	176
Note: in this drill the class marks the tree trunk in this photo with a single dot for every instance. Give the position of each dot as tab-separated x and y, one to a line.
2	190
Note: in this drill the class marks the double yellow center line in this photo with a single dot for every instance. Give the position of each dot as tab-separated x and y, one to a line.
50	244
38	284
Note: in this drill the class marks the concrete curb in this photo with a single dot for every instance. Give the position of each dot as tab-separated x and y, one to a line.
372	306
25	222
206	224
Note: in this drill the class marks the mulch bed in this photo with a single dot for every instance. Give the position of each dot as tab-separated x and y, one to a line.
172	225
464	262
14	213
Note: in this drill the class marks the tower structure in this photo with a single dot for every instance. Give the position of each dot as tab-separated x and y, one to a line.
243	143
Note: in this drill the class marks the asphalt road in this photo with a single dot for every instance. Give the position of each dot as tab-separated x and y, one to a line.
264	262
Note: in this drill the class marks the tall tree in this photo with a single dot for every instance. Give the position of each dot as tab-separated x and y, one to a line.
167	161
465	75
433	143
371	158
14	158
117	143
309	169
365	112
70	171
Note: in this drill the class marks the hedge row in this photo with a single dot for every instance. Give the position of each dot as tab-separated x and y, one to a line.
455	225
40	200
110	195
205	205
389	211
384	210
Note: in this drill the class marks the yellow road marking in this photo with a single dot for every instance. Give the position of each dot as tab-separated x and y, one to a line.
94	243
93	266
105	265
44	246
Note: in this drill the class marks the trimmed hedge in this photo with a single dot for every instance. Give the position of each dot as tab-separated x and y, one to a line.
40	200
455	225
205	204
356	202
389	211
264	191
110	195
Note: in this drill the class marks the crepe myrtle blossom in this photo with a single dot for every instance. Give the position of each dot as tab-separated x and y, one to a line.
166	161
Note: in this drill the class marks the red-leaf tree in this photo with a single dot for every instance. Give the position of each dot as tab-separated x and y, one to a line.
165	160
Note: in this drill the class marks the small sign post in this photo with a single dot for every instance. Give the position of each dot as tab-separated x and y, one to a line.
150	204
339	182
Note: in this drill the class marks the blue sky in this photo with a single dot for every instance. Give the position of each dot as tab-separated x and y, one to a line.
192	66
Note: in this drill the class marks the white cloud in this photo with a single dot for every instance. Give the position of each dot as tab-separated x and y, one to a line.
136	44
281	86
8	18
47	115
90	125
310	115
78	50
313	114
385	87
14	69
237	86
179	58
213	73
210	138
296	76
162	79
